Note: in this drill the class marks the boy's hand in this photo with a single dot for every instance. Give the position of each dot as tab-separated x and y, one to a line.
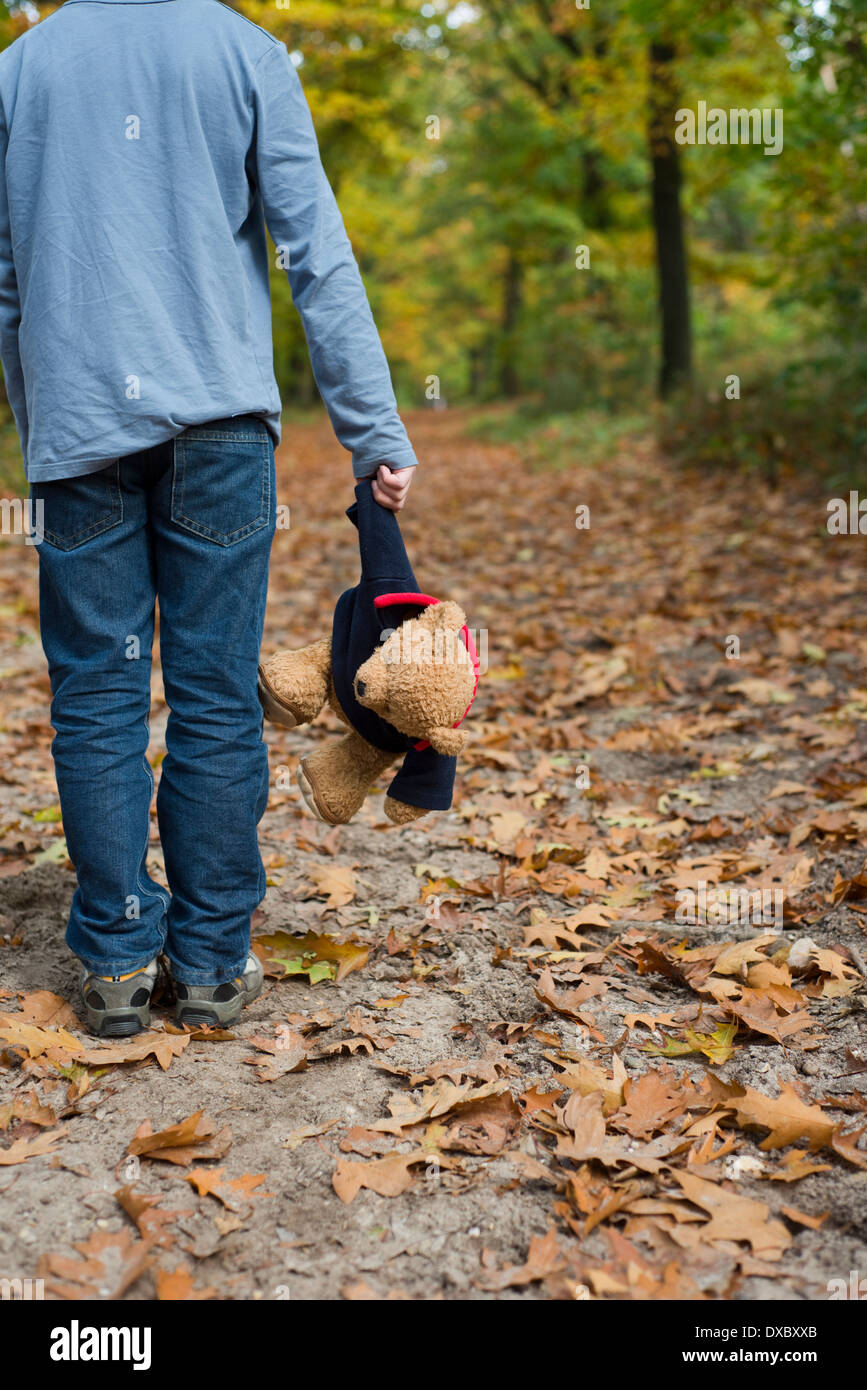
390	487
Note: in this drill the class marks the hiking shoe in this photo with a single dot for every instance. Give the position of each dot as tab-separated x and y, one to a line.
118	1005
219	1004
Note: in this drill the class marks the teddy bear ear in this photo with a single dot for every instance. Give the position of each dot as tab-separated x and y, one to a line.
447	741
447	615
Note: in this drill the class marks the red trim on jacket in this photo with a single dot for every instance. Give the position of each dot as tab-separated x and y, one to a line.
426	601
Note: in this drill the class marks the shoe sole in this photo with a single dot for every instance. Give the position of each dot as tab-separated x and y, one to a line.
118	1023
198	1013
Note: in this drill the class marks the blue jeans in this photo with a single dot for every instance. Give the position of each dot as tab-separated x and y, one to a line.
188	523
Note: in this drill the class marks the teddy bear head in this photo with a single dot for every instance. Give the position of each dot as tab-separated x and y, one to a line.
422	677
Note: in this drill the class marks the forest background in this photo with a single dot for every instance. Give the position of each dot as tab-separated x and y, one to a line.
538	246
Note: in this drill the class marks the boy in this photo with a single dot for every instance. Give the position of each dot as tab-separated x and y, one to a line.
145	145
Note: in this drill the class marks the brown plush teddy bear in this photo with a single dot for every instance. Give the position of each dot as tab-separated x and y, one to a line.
400	669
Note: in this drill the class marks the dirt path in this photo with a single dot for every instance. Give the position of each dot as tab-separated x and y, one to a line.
487	1065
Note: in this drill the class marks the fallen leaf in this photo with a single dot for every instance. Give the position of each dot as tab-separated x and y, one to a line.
109	1263
144	1209
566	1002
650	1103
176	1285
588	1139
786	1116
438	1100
757	1010
22	1149
336	882
761	692
796	1164
163	1046
366	1142
388	1176
202	1032
36	1041
28	1110
846	1146
585	1076
735	1217
47	1009
544	1259
361	1292
595	915
801	1217
234	1193
734	955
194	1139
717	1046
319	957
297	1136
505	825
786	789
226	1224
288	1052
365	1028
482	1127
651	1021
533	1099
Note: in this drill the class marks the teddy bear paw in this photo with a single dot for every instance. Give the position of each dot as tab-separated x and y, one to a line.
400	813
306	790
275	711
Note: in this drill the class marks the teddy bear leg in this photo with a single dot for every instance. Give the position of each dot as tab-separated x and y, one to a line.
336	777
400	813
293	686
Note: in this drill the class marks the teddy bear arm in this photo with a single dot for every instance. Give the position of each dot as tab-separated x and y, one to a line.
400	813
293	686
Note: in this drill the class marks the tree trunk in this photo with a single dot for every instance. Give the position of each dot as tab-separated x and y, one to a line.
477	371
513	285
594	205
676	366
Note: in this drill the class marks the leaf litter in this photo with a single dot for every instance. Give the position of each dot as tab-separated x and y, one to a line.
504	1011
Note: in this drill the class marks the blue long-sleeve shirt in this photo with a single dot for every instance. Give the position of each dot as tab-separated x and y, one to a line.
144	147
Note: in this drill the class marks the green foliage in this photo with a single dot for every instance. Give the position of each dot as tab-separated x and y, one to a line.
809	414
11	473
475	149
560	440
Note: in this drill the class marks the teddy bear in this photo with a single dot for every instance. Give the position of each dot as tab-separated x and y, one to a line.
399	668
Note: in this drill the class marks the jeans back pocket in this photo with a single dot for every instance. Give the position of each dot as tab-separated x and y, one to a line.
68	512
221	488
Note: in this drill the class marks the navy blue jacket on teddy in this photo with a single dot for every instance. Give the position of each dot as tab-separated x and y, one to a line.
425	779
